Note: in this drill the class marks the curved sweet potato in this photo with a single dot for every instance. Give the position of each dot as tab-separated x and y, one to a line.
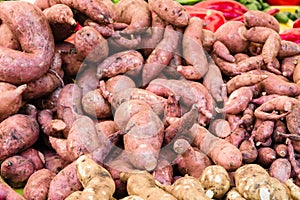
258	18
15	65
7	38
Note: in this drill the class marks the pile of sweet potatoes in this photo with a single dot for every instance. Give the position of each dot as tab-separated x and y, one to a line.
141	86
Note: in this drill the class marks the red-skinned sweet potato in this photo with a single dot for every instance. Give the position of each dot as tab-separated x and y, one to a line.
7	38
266	155
15	65
281	169
258	18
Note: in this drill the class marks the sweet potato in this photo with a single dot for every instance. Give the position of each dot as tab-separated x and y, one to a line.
242	80
143	139
227	68
48	82
53	161
220	128
6	192
230	34
193	52
90	44
106	30
170	11
8	39
240	56
255	49
61	20
281	150
271	48
288	66
185	188
296	75
221	50
17	133
15	65
16	170
64	183
143	184
163	172
195	161
160	56
69	105
37	186
96	10
11	96
237	136
293	119
266	156
82	138
34	156
262	131
213	81
258	34
216	148
118	83
258	18
251	63
288	48
248	150
264	98
95	105
238	101
137	21
281	169
95	179
87	80
215	178
50	126
126	62
292	159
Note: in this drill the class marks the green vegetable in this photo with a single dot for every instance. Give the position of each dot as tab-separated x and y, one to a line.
255	4
188	2
282	17
115	1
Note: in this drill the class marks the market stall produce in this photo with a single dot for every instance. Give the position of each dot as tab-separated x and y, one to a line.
148	100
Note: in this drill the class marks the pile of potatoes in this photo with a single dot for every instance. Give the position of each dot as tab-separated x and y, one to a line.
136	100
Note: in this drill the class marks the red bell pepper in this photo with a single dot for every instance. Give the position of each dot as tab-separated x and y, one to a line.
292	34
230	8
296	23
284	2
213	19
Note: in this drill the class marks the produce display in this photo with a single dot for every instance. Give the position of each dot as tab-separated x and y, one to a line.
157	99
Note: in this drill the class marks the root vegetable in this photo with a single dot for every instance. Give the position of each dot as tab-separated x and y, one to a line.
74	196
220	128
6	192
53	161
95	105
262	131
37	186
296	75
16	170
208	39
221	50
8	39
281	150
215	178
266	156
143	184
258	18
160	56
288	66
17	133
137	21
11	96
227	68
64	183
251	63
143	139
233	194
229	34
60	146
34	156
217	149
96	10
96	180
292	159
271	48
293	119
246	79
170	11
187	187
90	44
264	98
295	190
129	62
288	48
193	51
47	83
61	20
118	83
163	172
213	81
15	65
237	136
195	161
87	80
238	101
132	197
258	34
281	169
50	126
248	150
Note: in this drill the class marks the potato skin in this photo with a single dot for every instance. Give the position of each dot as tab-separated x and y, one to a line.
37	41
38	184
17	133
